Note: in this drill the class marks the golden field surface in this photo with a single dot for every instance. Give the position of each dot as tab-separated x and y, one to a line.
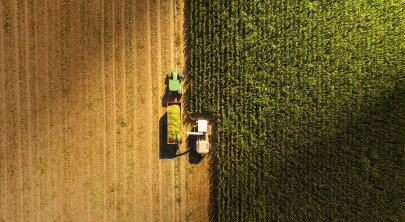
82	114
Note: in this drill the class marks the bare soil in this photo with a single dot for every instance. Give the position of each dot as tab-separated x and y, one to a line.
82	114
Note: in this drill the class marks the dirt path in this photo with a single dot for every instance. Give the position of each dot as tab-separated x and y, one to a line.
82	113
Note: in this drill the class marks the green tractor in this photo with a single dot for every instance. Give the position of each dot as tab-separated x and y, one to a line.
174	82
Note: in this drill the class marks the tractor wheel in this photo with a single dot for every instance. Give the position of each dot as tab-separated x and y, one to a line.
180	75
211	118
169	75
169	92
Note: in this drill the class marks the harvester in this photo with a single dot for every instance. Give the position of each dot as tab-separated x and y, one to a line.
202	132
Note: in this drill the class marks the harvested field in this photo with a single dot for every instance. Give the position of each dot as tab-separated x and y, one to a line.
82	108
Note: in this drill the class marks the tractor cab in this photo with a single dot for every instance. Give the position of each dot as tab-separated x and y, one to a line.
174	82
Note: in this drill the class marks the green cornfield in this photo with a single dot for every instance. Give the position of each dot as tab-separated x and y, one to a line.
309	99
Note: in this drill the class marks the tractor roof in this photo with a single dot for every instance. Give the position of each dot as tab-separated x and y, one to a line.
174	85
202	126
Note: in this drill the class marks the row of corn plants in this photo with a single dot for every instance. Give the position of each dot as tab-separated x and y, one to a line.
309	98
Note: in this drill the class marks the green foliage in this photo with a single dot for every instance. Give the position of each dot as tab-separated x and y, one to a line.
65	90
309	98
6	24
177	42
122	122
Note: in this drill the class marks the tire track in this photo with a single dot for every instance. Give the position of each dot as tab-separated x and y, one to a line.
48	107
94	110
149	95
114	110
136	141
76	114
25	108
160	109
85	105
120	92
84	111
144	100
43	111
76	117
19	145
178	25
104	113
130	105
65	109
31	98
167	164
156	105
110	110
94	180
124	113
3	134
171	33
56	155
35	195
